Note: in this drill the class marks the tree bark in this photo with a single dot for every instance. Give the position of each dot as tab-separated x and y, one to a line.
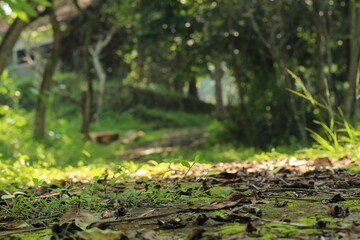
9	41
87	97
95	53
193	91
50	68
319	56
218	75
353	63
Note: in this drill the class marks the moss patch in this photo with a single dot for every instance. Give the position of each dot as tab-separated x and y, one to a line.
33	235
232	228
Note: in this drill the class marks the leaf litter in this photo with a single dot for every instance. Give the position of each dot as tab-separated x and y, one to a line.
292	198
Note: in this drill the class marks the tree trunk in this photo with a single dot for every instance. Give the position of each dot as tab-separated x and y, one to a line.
218	75
353	63
239	79
95	53
319	56
87	97
193	91
40	114
178	85
9	41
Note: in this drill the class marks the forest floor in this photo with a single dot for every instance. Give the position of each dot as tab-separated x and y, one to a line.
292	198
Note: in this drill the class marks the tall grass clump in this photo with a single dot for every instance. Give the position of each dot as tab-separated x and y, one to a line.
336	136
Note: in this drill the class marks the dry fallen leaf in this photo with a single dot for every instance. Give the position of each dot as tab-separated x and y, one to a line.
80	216
322	162
172	224
98	234
150	235
232	218
15	225
337	210
250	228
243	198
196	234
246	209
201	219
226	204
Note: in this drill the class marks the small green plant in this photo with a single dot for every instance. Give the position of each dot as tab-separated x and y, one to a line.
339	135
29	206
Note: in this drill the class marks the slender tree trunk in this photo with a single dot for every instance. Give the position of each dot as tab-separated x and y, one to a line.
353	63
95	53
40	114
218	75
9	41
319	56
87	97
236	66
178	82
193	91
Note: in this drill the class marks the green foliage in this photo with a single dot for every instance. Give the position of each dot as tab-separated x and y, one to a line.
169	118
34	236
337	137
282	230
21	8
231	228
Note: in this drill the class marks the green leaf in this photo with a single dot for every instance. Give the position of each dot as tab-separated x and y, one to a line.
43	2
27	8
185	164
86	153
322	141
186	185
22	15
36	181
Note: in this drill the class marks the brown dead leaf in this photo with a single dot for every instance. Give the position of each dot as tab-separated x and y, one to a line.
80	216
41	190
150	235
106	214
15	225
201	219
322	162
337	210
280	204
232	218
172	224
246	209
243	198
226	204
196	234
75	191
250	228
98	234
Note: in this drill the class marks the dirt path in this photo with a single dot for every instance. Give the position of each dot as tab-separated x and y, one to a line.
189	138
